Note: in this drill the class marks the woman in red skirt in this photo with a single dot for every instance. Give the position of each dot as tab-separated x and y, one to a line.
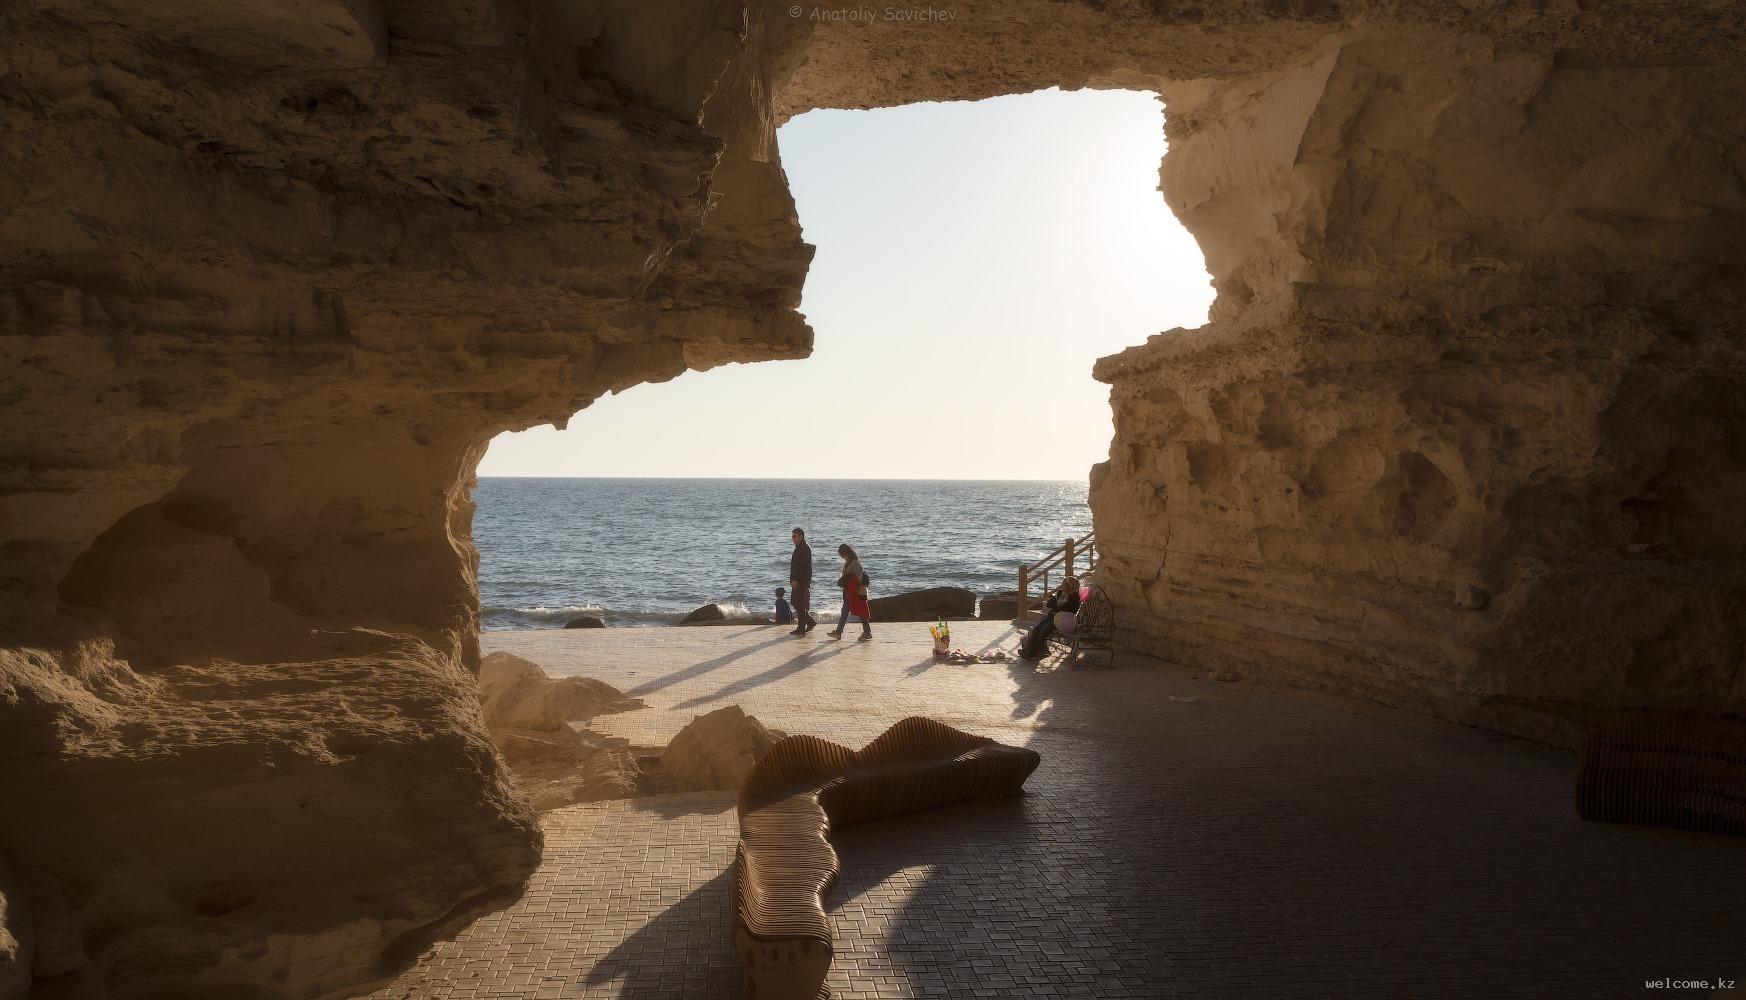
854	584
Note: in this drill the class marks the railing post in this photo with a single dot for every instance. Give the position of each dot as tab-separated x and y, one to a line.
1070	559
1024	597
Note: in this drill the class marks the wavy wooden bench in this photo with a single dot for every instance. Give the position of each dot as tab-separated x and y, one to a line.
1665	771
802	788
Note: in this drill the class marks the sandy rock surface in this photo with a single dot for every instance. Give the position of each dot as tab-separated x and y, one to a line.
714	751
227	803
554	763
516	694
16	942
1452	438
272	277
554	769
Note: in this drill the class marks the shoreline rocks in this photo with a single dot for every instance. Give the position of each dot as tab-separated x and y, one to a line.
705	615
998	607
585	621
952	603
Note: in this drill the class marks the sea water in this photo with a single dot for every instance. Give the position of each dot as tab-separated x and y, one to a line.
647	551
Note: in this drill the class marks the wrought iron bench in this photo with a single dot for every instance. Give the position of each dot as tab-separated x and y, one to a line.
799	791
1093	630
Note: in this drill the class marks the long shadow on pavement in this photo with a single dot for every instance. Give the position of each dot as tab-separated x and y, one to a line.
704	666
811	656
693	932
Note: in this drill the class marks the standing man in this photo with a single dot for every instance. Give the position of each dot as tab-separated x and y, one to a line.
800	584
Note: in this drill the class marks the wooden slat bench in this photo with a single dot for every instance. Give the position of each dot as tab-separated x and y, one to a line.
799	791
1666	771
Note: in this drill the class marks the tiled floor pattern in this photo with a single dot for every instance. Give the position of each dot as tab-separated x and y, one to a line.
1182	838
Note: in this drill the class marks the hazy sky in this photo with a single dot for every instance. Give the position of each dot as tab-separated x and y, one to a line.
973	260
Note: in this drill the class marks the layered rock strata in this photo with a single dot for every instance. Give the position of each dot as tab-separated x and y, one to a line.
1464	432
262	829
271	277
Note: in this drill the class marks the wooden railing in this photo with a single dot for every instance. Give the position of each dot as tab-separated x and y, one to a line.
1063	558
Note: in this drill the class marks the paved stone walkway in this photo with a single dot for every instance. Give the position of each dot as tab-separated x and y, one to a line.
1182	837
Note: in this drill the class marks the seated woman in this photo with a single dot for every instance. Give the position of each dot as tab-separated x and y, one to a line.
1063	600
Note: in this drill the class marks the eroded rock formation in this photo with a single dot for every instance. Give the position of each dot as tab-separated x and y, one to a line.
1465	432
714	751
270	278
16	932
554	764
231	829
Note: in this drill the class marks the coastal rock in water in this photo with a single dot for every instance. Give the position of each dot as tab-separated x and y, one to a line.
925	605
1001	607
15	938
738	620
585	621
705	615
715	751
516	694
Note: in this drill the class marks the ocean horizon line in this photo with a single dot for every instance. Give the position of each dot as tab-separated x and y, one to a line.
784	479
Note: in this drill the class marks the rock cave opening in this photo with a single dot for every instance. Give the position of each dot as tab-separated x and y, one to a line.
1462	435
973	260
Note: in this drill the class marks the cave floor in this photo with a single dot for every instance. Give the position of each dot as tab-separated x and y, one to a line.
1182	837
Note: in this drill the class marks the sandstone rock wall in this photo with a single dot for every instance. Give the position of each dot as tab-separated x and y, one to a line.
1460	435
1465	433
271	277
272	829
17	938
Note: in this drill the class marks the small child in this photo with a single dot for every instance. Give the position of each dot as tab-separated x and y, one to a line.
784	614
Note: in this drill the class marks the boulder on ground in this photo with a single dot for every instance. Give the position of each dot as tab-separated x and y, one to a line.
584	621
715	751
1001	607
532	749
269	831
705	614
925	605
551	762
555	769
516	694
610	774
